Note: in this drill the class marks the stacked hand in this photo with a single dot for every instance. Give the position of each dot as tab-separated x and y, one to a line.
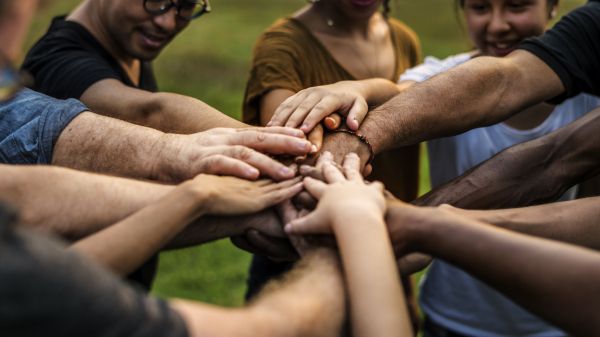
307	108
236	152
343	191
234	196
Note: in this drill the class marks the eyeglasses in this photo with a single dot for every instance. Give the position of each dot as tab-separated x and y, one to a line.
186	9
10	80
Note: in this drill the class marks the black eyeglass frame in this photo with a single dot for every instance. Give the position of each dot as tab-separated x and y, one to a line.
205	9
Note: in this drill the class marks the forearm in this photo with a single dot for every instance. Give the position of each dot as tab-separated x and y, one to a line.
163	111
480	92
211	228
181	114
125	246
543	276
70	203
377	90
101	144
308	301
571	221
377	301
534	172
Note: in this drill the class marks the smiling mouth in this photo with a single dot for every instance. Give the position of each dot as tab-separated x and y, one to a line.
502	48
153	40
363	3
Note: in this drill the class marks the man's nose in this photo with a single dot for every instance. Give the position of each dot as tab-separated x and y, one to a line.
167	21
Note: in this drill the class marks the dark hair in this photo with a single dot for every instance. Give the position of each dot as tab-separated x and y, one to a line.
386	8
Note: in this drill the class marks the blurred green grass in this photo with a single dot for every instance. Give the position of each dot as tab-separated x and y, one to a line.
210	60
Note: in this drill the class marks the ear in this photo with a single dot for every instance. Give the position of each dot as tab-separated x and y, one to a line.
553	10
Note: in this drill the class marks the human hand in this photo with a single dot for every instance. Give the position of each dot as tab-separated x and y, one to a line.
309	107
258	243
233	196
288	212
226	151
411	263
408	227
262	234
340	194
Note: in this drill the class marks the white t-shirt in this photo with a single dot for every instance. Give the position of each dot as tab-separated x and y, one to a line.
450	297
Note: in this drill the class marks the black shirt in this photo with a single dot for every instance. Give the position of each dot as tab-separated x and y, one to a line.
67	60
48	291
572	50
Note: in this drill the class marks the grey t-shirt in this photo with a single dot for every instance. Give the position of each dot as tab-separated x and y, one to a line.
48	291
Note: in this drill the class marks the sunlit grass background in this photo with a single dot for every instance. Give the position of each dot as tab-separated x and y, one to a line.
210	60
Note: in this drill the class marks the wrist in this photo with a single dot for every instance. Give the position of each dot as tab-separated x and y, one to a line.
165	152
359	213
197	195
341	143
408	225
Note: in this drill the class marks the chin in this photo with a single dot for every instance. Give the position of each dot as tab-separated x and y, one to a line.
146	55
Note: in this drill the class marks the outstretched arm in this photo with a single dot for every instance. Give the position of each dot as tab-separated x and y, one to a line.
164	111
483	91
530	173
574	221
480	92
101	144
124	246
73	204
308	301
544	276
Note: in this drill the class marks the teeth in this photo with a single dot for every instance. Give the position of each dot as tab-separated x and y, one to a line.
502	45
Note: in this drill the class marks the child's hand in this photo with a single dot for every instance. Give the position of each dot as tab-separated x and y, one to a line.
309	107
340	195
233	196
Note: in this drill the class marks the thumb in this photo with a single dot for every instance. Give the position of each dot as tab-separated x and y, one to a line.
309	224
357	114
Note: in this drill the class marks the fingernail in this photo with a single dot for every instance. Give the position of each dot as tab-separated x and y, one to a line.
270	123
252	172
287	227
313	149
303	146
284	171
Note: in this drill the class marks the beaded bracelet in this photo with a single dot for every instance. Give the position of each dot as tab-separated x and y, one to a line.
362	139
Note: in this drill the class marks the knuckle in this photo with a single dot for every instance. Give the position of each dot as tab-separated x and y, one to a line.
261	137
242	152
209	164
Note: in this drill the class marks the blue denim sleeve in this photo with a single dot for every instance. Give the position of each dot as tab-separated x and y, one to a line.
30	124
